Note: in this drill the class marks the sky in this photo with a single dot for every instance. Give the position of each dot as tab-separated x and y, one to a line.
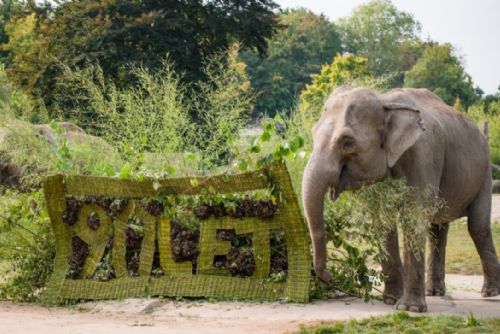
472	27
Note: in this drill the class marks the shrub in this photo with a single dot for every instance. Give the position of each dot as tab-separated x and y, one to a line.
479	115
160	114
26	243
17	104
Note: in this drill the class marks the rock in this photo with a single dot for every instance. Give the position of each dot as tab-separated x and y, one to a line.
50	135
9	175
27	152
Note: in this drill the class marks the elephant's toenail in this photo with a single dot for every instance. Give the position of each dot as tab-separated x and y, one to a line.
401	307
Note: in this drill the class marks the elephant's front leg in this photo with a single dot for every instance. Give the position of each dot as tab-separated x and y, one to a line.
438	235
392	269
413	299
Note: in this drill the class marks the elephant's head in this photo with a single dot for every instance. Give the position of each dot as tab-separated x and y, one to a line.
359	137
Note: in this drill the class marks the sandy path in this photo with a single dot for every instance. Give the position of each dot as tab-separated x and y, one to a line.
495	209
155	316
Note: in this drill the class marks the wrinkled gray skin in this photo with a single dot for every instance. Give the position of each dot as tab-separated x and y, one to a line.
363	137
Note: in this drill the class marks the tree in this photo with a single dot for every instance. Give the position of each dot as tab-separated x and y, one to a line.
492	103
345	69
307	42
24	50
8	8
457	105
116	33
386	36
442	72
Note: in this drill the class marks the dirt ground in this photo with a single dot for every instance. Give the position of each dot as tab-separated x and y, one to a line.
495	209
183	317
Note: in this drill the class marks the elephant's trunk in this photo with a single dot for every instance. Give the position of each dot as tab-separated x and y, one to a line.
318	177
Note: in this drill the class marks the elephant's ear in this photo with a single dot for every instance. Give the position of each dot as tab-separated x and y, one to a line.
403	128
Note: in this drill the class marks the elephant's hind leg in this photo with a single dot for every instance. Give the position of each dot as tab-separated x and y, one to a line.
392	269
479	226
438	236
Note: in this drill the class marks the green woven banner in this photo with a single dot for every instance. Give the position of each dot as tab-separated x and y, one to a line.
121	238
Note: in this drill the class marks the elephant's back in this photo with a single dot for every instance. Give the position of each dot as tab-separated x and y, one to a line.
458	133
462	147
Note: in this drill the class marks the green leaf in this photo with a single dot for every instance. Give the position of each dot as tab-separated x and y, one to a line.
279	119
269	126
126	171
265	136
191	156
296	144
170	170
254	149
243	165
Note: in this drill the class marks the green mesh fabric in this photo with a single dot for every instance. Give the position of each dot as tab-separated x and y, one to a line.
178	278
96	239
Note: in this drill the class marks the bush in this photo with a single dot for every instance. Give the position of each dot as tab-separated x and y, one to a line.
149	117
160	114
26	243
17	104
479	115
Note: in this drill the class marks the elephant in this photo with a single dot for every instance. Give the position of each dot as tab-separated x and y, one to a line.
363	137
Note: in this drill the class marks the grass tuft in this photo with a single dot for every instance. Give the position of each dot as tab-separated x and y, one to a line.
402	322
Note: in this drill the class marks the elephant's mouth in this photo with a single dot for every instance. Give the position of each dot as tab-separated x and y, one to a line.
333	193
342	184
346	182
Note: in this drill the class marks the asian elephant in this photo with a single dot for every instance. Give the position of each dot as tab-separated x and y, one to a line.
363	137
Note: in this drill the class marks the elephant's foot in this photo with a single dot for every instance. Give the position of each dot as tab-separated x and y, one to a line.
392	293
324	275
490	289
412	304
435	287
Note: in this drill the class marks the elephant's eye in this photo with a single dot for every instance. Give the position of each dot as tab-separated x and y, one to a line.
348	143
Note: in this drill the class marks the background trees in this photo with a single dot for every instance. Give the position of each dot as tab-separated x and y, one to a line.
386	36
306	42
117	33
8	8
343	70
283	50
442	72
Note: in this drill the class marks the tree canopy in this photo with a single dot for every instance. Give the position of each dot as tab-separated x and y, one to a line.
116	33
346	69
442	72
307	42
384	35
8	8
283	49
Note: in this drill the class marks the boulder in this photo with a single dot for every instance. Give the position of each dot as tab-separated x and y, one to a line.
50	135
28	152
